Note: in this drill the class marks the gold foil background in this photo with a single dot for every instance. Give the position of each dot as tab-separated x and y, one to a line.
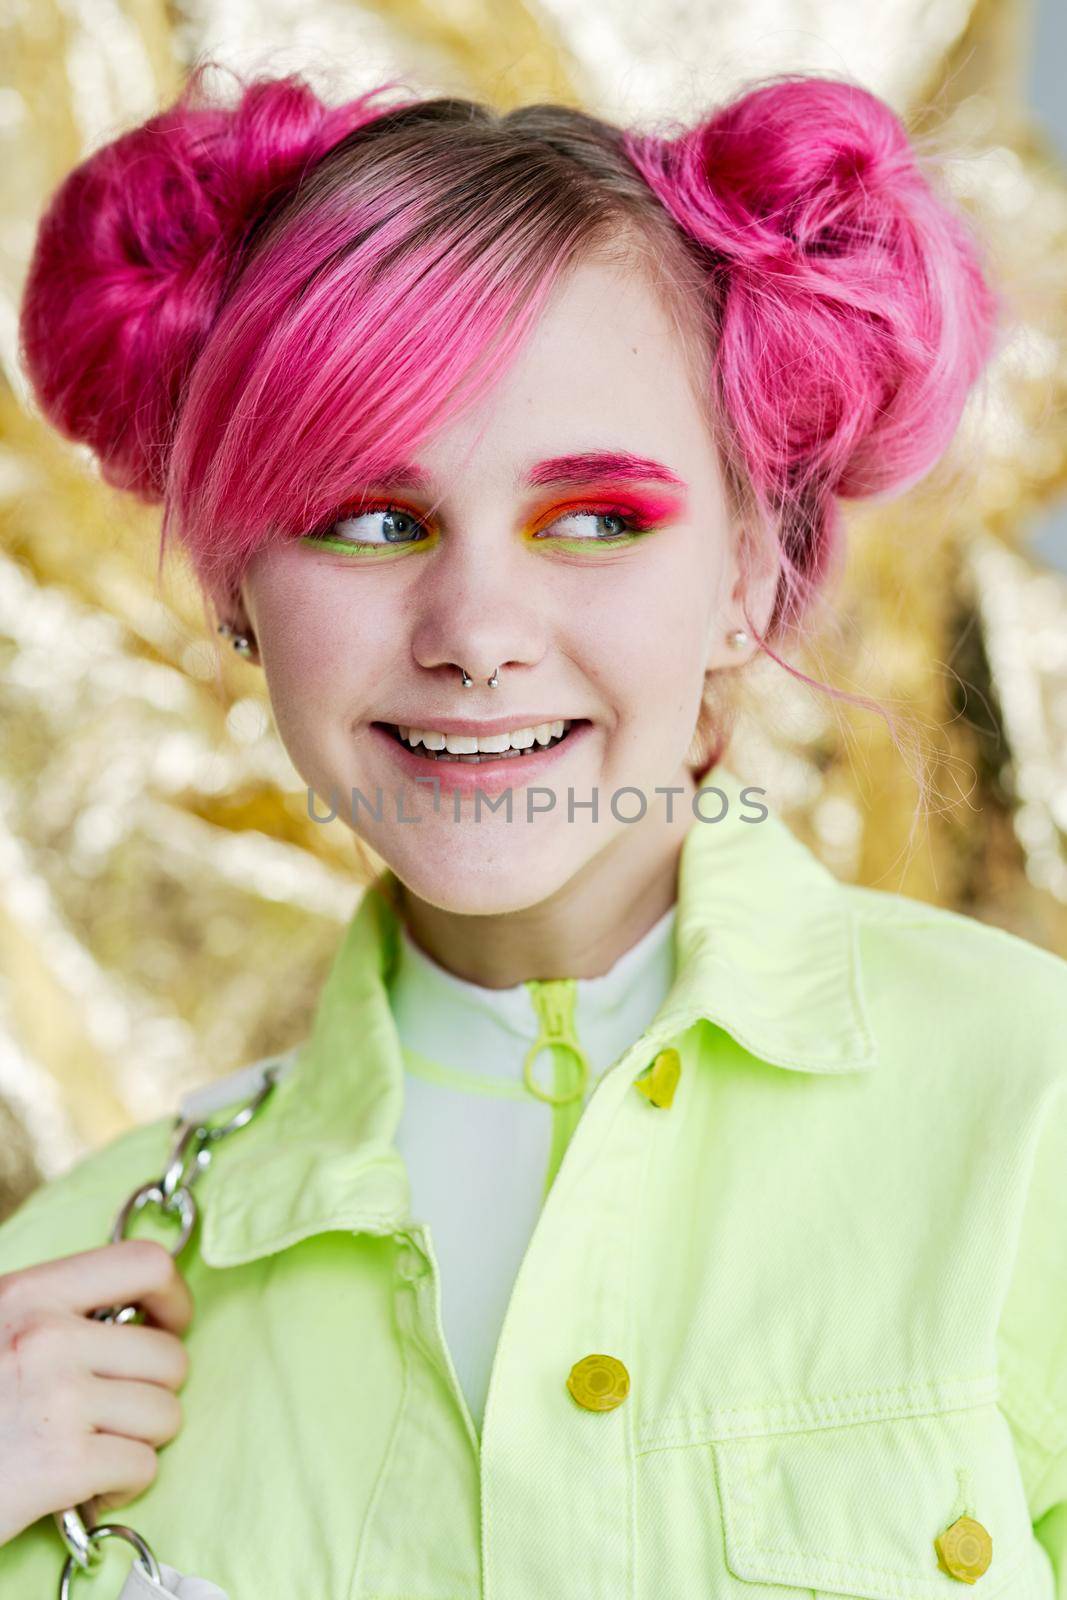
167	908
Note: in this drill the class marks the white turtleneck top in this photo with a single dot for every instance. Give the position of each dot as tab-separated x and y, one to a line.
476	1142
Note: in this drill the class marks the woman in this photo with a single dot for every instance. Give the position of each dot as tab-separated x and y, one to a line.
646	1212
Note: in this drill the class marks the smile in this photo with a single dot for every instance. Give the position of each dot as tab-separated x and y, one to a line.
479	749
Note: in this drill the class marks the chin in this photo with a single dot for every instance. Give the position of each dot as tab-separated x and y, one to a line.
517	869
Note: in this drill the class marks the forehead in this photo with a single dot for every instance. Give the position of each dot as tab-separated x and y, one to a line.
605	367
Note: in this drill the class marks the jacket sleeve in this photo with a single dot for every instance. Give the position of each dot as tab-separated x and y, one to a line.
1032	1339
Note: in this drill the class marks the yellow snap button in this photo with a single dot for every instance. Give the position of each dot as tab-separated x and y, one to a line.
599	1383
964	1550
659	1081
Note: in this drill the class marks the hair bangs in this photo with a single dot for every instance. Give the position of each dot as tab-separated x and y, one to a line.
368	316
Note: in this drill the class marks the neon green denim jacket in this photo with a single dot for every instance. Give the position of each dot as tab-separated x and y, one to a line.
828	1284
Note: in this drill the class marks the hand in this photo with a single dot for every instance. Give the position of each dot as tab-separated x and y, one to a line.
84	1404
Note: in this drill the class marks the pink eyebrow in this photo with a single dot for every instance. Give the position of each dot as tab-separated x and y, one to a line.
588	467
595	464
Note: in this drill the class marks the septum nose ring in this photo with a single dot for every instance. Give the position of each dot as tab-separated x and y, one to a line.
493	682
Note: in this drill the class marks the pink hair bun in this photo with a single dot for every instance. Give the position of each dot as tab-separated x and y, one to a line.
131	259
852	308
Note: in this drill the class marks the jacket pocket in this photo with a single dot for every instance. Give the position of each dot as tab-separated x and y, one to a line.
855	1509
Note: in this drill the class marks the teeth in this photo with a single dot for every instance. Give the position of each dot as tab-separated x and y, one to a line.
465	744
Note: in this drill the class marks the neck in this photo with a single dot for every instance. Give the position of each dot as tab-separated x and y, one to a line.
581	929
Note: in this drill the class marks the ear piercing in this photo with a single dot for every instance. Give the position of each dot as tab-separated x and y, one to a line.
493	682
242	643
738	638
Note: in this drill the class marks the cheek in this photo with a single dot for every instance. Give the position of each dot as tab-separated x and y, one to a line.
659	627
313	647
300	659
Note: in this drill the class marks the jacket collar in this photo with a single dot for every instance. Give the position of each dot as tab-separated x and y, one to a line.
766	949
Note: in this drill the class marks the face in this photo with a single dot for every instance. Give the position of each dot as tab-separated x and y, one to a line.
601	589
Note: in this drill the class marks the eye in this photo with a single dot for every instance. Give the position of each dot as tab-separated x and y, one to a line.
378	527
618	525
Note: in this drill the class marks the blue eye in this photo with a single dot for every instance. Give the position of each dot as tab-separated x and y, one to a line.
623	525
397	525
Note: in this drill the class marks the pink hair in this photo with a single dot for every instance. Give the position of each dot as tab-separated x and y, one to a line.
246	311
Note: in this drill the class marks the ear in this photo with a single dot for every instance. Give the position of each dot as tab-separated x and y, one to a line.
752	582
236	615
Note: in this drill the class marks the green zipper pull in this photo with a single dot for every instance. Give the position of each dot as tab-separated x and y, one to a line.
554	1001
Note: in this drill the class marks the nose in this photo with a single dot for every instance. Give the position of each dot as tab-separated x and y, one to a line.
477	616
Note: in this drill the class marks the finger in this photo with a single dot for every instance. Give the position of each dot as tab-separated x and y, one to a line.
134	1410
120	1469
131	1272
170	1307
130	1350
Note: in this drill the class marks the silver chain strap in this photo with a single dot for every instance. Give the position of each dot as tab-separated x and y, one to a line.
191	1152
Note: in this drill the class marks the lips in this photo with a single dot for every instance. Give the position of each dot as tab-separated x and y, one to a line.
490	773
